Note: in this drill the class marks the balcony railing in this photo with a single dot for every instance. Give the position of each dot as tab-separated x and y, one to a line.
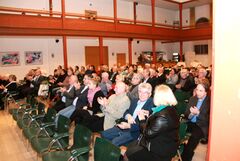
58	14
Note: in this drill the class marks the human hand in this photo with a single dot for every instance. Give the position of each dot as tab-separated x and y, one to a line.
142	114
100	101
130	119
63	89
178	86
124	125
194	110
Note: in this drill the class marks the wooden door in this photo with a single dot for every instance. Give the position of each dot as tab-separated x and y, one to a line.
92	55
121	59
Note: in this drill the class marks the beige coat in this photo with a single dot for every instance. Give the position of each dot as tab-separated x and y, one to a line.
118	104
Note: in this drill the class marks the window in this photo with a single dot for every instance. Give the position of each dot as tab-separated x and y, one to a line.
201	49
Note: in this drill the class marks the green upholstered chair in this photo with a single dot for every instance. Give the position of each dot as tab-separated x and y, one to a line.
181	107
82	138
40	143
28	115
104	150
182	95
183	138
30	104
39	121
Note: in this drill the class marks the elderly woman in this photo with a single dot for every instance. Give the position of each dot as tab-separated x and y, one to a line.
159	133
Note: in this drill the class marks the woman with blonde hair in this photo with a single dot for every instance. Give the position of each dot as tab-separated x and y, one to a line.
159	132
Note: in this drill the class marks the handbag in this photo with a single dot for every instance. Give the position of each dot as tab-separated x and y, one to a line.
43	90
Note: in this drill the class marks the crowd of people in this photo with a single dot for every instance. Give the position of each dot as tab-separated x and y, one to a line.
129	105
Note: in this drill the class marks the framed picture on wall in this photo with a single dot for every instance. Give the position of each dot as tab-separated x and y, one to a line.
11	58
33	58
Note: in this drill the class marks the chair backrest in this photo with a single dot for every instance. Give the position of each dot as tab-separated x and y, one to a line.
182	130
82	136
181	107
50	115
105	151
41	108
63	124
32	100
182	95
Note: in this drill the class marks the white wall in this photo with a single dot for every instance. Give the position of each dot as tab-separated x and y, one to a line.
47	45
116	46
76	49
125	9
162	15
202	11
185	17
138	48
188	50
144	12
57	5
39	4
103	7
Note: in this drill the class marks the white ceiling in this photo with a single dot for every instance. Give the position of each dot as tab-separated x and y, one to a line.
171	5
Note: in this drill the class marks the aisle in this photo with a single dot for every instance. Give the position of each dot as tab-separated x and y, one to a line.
12	145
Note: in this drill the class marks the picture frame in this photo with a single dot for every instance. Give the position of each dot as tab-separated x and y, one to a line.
33	57
10	58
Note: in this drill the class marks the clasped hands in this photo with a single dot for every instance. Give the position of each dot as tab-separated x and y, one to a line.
103	101
194	110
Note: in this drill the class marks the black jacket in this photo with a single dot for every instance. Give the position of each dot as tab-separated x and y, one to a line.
160	132
203	117
82	97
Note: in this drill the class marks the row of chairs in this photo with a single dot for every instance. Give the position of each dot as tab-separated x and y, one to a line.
51	141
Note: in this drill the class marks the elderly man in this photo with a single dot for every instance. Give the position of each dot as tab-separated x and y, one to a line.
114	107
185	82
127	129
80	100
68	94
105	84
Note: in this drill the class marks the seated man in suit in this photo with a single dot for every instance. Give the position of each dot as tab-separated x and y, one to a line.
127	131
197	113
68	94
80	100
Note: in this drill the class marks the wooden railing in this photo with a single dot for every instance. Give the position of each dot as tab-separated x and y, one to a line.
201	25
47	13
33	12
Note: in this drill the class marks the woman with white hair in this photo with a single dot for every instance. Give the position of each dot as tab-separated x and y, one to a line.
159	133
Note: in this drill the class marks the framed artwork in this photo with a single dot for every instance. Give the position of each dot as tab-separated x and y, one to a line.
33	58
11	58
